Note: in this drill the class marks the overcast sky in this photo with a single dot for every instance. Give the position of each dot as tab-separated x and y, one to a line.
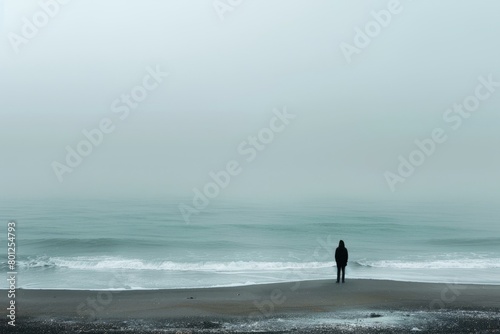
353	119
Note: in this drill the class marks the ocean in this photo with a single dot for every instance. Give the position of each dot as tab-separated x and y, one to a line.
145	244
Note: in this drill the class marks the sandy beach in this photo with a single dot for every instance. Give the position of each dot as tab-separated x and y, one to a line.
307	306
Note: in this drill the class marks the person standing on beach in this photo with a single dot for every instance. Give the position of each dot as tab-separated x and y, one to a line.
341	256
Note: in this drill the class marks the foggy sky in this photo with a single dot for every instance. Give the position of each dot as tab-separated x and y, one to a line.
225	77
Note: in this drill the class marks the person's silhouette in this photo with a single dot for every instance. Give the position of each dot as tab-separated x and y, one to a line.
341	257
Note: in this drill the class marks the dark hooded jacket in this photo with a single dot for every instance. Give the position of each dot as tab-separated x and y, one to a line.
341	255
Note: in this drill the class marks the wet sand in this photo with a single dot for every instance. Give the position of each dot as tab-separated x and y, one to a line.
310	306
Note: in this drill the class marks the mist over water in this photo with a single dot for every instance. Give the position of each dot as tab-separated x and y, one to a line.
353	120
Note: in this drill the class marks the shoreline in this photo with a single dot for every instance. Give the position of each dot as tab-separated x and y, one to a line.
357	301
255	284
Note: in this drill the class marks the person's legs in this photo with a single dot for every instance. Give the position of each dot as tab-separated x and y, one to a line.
338	274
343	274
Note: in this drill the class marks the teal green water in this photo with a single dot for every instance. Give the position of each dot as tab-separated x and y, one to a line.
143	244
